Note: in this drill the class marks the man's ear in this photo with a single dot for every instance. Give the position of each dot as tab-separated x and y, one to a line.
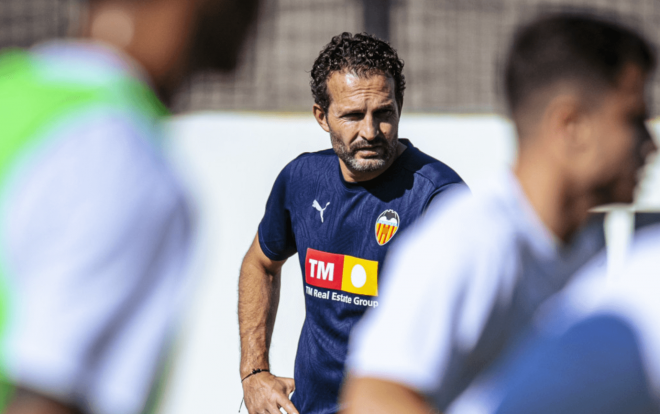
567	120
321	117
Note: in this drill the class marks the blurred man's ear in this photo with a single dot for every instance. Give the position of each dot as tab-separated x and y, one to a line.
222	27
566	120
321	117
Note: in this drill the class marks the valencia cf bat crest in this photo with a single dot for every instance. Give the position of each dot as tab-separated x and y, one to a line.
386	226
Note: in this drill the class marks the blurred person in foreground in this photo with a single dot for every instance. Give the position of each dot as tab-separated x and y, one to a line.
338	209
95	229
465	283
606	359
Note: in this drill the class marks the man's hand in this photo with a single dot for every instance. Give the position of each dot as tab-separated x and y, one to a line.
265	393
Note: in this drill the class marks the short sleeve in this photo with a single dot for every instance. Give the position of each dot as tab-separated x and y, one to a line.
98	235
275	232
443	284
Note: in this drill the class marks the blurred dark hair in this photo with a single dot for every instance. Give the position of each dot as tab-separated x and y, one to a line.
362	54
222	29
576	47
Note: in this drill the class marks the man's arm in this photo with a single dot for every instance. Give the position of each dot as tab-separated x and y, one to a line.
363	395
258	297
596	367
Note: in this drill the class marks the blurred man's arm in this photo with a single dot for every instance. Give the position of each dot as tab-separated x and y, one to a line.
364	395
258	298
596	367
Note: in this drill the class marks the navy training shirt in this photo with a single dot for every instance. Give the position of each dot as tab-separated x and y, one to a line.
341	232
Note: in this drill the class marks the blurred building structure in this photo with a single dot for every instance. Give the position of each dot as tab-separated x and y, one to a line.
451	47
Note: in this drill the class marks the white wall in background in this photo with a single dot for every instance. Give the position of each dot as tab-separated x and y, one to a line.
230	161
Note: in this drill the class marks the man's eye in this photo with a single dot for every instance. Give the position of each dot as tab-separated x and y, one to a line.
639	120
385	113
354	115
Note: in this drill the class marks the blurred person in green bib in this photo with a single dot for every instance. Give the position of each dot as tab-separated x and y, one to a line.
95	228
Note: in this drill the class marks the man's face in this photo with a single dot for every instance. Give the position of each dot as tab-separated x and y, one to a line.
623	140
363	120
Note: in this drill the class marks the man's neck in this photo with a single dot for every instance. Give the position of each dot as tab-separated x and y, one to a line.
356	177
559	206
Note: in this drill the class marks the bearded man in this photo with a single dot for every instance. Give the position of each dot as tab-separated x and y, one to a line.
339	209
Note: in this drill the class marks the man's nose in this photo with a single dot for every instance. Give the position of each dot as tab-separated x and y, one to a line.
369	128
648	144
652	148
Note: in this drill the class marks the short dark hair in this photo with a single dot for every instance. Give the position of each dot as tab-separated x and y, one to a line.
575	47
362	54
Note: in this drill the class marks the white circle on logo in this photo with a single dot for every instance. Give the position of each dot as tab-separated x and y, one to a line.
358	276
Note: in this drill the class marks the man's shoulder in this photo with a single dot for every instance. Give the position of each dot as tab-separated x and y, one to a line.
310	162
325	155
305	169
465	220
428	168
61	72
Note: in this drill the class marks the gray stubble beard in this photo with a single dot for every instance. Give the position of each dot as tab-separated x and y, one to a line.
369	165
